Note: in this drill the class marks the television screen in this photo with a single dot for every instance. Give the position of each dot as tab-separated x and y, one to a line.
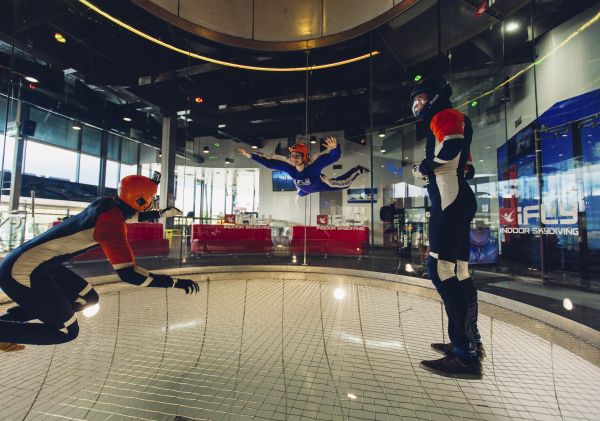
283	182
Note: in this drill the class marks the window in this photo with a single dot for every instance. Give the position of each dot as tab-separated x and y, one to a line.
129	152
53	129
49	161
91	142
113	147
112	174
9	152
89	169
127	170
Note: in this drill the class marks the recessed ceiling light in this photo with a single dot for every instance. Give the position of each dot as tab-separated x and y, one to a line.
31	79
512	26
76	125
222	126
127	119
254	147
60	37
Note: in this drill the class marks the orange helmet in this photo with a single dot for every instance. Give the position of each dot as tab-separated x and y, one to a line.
137	191
300	148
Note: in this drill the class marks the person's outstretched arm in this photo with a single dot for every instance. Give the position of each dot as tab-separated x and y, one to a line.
155	214
331	154
110	235
273	162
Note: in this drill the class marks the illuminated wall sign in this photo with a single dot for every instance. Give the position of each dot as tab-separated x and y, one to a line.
516	220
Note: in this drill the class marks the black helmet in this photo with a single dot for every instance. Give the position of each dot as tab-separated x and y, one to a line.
438	91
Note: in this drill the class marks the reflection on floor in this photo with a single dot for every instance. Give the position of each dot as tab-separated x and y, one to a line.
293	346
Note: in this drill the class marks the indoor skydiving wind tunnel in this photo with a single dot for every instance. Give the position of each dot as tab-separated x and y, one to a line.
309	154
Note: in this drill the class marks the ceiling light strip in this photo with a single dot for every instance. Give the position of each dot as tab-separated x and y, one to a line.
221	62
538	61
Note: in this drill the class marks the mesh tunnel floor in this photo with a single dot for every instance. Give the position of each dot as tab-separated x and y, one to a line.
287	346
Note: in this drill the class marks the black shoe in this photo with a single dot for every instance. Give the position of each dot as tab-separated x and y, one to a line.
452	366
448	349
480	352
362	170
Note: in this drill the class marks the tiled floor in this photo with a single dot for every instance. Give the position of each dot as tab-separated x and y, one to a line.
293	346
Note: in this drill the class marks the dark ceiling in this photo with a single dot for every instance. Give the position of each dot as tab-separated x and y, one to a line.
104	72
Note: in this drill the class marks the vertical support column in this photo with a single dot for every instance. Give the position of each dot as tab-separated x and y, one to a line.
584	262
17	166
103	157
79	146
167	165
138	161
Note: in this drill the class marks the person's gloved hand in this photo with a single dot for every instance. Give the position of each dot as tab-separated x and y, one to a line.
469	172
416	172
170	212
189	286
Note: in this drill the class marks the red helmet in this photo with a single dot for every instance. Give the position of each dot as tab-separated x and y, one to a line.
300	148
137	191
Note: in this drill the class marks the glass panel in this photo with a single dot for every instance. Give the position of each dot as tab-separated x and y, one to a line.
12	112
113	147
91	143
54	129
129	152
127	170
89	169
112	174
9	151
49	161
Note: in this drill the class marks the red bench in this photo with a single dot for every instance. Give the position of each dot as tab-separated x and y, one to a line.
145	239
231	239
345	240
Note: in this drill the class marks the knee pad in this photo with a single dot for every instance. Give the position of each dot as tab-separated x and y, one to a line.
445	270
70	329
89	299
440	269
462	270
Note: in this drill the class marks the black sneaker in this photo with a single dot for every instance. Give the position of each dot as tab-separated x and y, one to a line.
452	366
480	352
362	170
448	349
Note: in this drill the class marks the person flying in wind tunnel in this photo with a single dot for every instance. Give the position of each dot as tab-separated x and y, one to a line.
446	168
34	277
306	172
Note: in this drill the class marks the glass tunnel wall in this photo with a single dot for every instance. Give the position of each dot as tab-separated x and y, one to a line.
535	150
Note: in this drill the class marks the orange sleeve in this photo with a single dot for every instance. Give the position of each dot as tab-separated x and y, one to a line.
111	235
448	122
